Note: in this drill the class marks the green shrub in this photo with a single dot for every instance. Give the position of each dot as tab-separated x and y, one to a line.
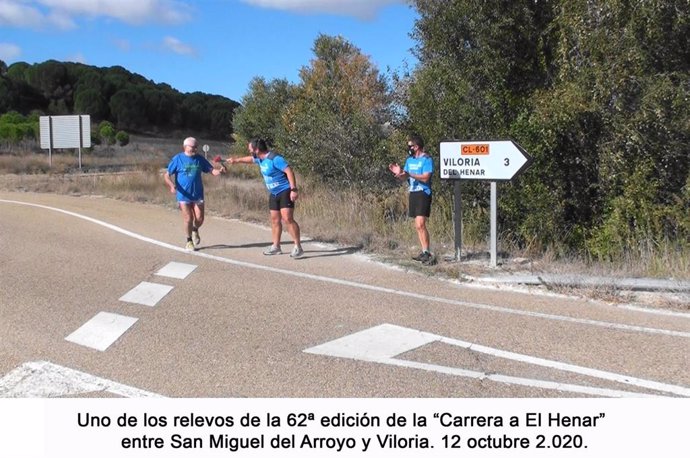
107	133
16	127
122	138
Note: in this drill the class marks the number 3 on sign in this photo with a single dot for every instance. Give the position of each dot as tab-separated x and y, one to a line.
506	162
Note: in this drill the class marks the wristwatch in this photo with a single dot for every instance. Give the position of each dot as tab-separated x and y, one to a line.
293	189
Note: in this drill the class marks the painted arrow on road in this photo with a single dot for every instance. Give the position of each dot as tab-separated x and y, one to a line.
383	344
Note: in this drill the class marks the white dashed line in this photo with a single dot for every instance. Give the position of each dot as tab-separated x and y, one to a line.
396	292
102	330
177	270
146	293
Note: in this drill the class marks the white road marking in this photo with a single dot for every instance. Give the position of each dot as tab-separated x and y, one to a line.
177	270
374	344
146	293
102	330
41	379
656	312
381	344
546	316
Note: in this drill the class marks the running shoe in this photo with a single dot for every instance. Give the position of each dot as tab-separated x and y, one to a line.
422	257
431	260
190	246
297	252
273	250
195	237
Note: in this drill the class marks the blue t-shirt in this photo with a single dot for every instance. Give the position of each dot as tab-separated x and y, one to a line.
419	166
273	170
187	171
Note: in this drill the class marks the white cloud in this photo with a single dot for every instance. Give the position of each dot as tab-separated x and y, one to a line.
362	9
18	13
61	20
62	13
176	46
9	51
130	11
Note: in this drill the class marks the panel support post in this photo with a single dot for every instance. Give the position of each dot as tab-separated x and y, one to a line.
494	199
457	219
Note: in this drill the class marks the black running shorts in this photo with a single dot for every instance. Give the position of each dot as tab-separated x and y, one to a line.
282	200
420	204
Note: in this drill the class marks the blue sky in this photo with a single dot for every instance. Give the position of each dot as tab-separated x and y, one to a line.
213	46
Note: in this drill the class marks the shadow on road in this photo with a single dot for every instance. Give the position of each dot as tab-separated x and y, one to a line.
223	246
326	253
307	253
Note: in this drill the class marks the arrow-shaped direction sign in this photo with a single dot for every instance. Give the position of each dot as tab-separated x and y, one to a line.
491	160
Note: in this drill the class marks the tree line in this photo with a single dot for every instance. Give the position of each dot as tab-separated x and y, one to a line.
126	100
597	91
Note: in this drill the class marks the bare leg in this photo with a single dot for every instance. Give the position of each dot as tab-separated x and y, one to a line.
198	215
187	218
422	232
276	227
292	226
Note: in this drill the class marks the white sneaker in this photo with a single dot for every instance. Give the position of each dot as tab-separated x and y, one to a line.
196	238
190	246
273	250
297	252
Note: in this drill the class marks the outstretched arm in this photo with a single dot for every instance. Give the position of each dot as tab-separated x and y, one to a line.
240	160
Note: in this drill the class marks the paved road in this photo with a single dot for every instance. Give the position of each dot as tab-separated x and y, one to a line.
89	308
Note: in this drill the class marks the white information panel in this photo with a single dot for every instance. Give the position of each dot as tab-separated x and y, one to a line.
490	160
72	131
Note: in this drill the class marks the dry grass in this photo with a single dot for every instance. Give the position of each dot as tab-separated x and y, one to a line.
376	224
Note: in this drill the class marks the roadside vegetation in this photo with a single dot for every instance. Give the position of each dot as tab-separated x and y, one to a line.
375	224
595	91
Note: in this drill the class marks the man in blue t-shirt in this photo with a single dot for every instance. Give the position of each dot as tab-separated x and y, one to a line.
187	167
418	170
282	189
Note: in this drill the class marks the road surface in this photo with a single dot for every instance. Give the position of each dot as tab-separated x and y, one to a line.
98	298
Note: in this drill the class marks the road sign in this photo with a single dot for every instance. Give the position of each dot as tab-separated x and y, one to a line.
205	148
73	131
483	160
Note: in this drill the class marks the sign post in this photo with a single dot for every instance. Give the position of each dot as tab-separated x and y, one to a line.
205	148
457	219
482	160
494	236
